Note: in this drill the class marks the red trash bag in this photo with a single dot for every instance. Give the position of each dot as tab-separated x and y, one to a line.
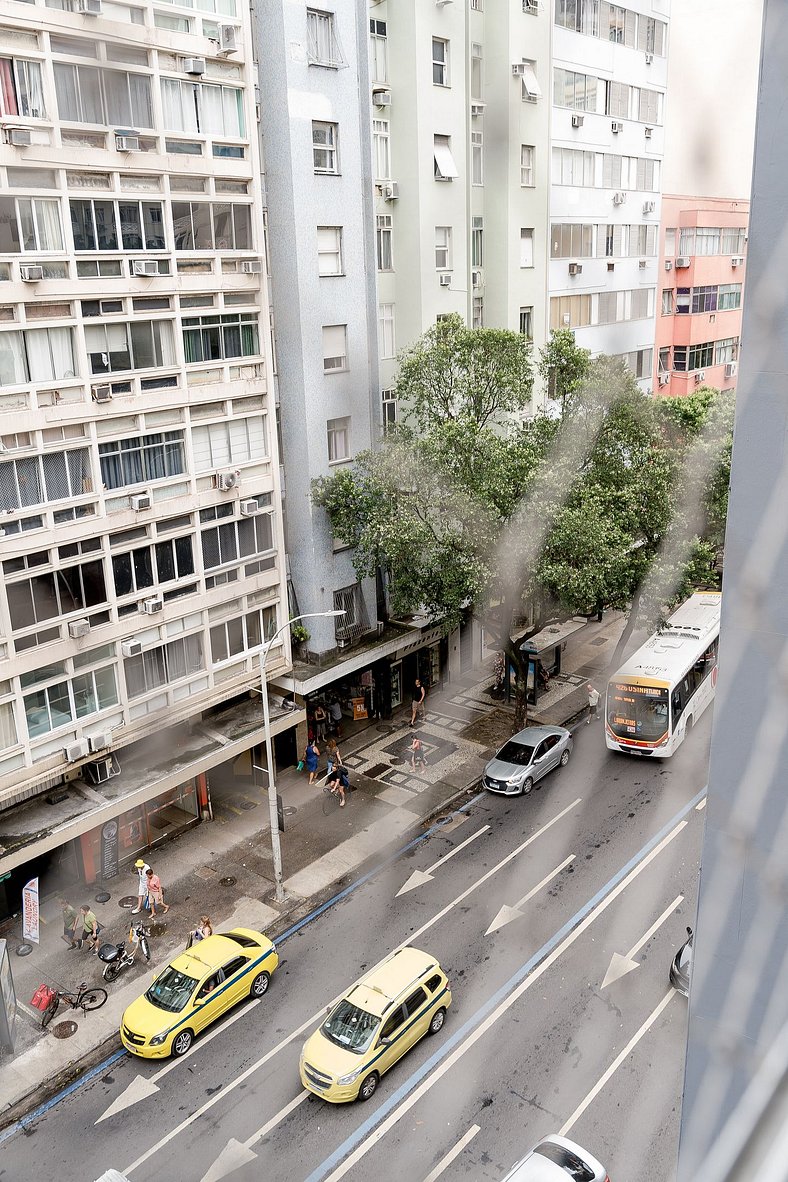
42	997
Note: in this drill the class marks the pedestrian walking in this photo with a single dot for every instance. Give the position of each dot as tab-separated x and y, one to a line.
332	755
70	916
593	703
418	757
155	893
335	784
142	869
202	932
311	756
89	928
321	719
335	714
417	702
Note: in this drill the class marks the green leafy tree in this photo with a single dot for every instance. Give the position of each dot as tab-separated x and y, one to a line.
563	367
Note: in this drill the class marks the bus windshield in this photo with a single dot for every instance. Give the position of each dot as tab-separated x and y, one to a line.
637	711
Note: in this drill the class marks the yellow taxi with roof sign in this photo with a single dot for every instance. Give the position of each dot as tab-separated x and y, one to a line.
373	1025
195	989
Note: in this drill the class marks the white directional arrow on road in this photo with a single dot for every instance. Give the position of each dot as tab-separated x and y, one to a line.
419	877
621	965
236	1153
507	914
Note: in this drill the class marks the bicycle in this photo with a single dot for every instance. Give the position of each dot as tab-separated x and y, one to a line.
86	998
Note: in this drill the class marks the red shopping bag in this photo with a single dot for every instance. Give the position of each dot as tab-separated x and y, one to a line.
42	997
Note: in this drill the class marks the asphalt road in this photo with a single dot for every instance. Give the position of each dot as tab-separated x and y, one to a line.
602	858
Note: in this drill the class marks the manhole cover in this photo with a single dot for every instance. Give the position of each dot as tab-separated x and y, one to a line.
128	901
64	1029
385	730
248	804
103	897
376	770
395	759
228	881
205	872
600	640
24	949
157	929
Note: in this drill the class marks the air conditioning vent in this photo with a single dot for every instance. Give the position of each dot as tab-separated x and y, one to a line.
77	628
682	262
152	606
390	191
649	58
101	392
227	480
343	642
531	6
619	198
127	142
88	7
648	132
663	379
730	369
649	206
101	741
642	264
30	273
141	501
194	65
518	69
477	279
228	39
145	267
737	261
477	109
251	267
381	97
700	376
250	508
102	770
18	137
578	120
77	750
668	265
130	648
575	269
616	127
445	280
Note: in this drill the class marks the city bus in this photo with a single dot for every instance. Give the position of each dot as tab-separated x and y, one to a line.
661	691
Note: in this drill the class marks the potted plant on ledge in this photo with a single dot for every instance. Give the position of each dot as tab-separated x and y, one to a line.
299	635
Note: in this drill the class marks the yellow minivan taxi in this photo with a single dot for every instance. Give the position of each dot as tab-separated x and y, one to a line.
376	1021
195	989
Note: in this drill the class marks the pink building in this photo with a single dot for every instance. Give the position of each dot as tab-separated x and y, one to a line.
702	244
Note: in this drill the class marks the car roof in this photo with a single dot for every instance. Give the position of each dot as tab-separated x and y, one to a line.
534	734
211	953
376	991
535	1168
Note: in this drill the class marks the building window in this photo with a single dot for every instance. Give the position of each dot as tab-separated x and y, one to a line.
36	355
334	348
148	566
110	97
527	323
386	339
235	540
687	241
56	593
440	61
199	107
526	248
157	667
640	362
322	45
701	355
571	240
732	241
383	242
477	158
477	5
354	621
242	634
617	99
338	432
574	167
443	248
325	137
683	299
663	365
230	443
54	476
138	344
445	168
729	297
21	92
214	338
126	225
378	52
573	90
29	224
531	88
704	299
527	166
476	71
389	409
329	250
478	312
66	697
142	459
707	240
381	155
570	311
667	301
670	241
477	242
197	225
726	350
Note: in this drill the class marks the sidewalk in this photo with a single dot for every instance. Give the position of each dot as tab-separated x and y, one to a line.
224	869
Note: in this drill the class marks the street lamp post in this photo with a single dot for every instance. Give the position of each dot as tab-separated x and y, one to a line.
276	848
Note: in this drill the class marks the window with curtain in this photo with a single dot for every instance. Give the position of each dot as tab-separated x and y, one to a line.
198	225
160	666
8	736
36	355
381	156
51	477
138	344
231	442
202	107
21	92
329	250
218	338
142	458
86	94
234	541
334	348
30	224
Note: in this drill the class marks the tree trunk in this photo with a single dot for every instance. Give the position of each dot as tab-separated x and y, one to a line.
615	660
514	655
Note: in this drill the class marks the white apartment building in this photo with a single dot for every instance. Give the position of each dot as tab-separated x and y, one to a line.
607	145
141	539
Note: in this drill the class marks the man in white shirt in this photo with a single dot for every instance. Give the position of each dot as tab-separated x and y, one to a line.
593	703
142	869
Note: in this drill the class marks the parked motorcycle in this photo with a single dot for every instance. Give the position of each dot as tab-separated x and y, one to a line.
117	957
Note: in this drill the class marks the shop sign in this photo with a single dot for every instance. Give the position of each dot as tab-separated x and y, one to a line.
30	911
109	850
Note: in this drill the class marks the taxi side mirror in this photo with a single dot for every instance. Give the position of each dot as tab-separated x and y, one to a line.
385	1041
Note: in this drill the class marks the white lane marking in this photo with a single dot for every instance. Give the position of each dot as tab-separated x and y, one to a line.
700	805
621	965
314	1018
239	1153
507	914
498	1012
419	877
619	1059
446	1161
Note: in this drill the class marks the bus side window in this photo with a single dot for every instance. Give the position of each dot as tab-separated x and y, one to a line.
678	705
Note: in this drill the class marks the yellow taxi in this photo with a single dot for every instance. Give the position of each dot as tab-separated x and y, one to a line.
377	1020
195	989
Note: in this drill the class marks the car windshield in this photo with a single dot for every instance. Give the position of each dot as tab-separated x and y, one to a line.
171	990
685	956
637	711
570	1163
512	752
350	1028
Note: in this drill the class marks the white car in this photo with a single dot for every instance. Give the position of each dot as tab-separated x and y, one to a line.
555	1159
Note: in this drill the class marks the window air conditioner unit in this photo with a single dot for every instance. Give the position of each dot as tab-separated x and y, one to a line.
77	750
531	6
101	392
127	142
663	379
381	97
730	369
390	191
343	642
477	279
227	480
575	268
477	109
228	39
250	508
642	264
649	206
578	120
30	273
682	262
145	267
616	127
251	267
649	58
194	65
101	741
78	628
103	769
445	280
648	132
18	137
700	376
668	265
130	648
152	606
737	260
141	501
518	69
619	198
88	7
